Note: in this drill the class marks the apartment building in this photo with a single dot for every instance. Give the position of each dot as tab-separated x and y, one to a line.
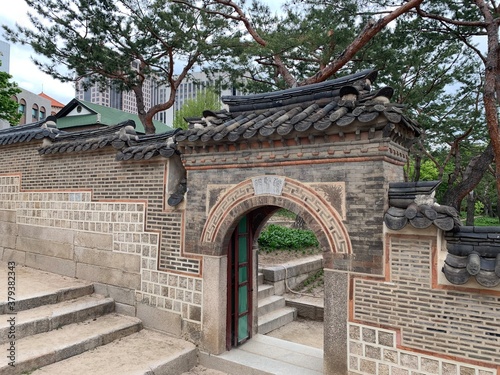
154	93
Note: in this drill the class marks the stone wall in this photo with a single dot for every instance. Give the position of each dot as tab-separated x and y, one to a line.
88	216
410	323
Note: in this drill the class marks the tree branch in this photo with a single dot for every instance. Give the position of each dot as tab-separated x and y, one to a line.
371	29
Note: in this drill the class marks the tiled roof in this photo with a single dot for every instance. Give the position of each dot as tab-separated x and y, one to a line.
413	203
25	133
53	101
473	252
345	104
332	106
147	146
122	137
84	140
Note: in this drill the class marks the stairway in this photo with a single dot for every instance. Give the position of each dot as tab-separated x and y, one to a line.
62	327
272	311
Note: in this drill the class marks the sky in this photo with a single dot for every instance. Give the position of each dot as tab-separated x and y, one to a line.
26	74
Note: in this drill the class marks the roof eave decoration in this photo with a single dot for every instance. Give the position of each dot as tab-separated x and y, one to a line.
148	146
119	135
414	203
473	252
25	133
314	92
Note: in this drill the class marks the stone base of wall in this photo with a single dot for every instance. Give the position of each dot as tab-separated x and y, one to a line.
374	351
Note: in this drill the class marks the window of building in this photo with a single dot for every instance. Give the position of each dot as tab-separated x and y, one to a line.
42	113
22	107
34	113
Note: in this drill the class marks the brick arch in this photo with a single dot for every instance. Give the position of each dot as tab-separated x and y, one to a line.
295	196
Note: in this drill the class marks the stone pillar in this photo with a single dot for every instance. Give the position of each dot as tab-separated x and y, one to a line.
335	319
214	304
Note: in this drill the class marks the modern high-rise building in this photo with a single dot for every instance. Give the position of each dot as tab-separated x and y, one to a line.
111	96
154	93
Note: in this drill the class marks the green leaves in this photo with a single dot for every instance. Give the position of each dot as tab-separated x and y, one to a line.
8	107
279	237
205	99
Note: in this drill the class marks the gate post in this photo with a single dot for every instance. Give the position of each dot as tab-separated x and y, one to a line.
335	319
214	304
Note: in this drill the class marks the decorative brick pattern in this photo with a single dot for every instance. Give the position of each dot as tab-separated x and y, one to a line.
334	194
91	193
75	210
457	324
380	356
313	202
9	192
177	293
95	176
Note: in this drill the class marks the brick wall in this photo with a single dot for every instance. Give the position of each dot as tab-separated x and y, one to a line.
460	326
86	215
375	351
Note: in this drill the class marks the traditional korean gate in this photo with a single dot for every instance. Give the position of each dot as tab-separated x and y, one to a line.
239	314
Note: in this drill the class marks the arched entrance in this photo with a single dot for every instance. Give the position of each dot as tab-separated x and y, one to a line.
233	223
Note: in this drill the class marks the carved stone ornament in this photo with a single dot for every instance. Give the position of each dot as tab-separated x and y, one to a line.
268	185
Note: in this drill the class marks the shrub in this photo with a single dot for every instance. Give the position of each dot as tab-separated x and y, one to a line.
485	221
279	237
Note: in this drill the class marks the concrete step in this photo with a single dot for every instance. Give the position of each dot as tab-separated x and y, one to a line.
269	304
34	288
145	353
275	319
46	348
260	278
265	291
264	355
49	317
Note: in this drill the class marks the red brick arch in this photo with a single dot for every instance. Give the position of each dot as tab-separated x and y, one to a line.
295	196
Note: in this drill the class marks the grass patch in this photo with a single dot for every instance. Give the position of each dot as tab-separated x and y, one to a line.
277	237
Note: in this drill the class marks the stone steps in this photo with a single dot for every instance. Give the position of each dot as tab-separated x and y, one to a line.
276	319
50	317
62	327
264	291
42	349
272	312
34	288
269	304
142	353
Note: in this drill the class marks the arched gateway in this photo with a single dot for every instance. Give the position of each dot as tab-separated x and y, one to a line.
233	225
326	152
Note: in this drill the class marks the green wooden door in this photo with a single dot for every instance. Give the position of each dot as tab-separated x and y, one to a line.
240	285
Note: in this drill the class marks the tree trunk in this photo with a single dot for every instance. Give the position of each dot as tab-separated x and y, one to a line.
147	121
474	173
491	84
470	209
418	165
